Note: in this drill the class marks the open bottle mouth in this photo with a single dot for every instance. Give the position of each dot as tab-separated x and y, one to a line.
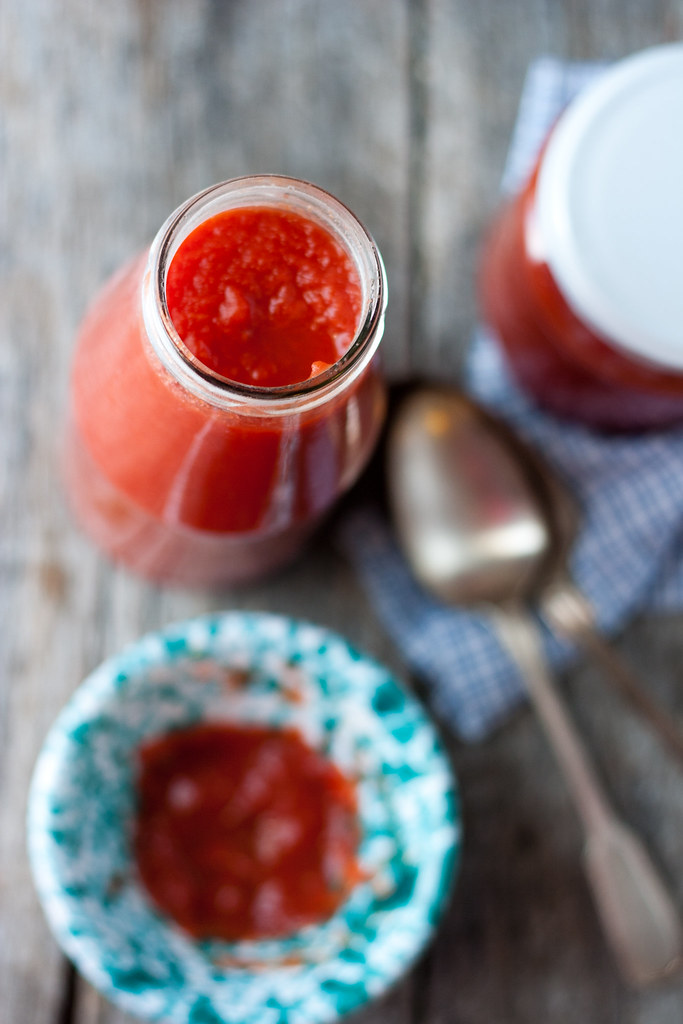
275	191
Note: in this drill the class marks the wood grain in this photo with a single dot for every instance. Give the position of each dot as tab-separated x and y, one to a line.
112	114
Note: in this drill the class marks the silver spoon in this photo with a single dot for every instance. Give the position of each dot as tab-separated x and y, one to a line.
476	533
556	596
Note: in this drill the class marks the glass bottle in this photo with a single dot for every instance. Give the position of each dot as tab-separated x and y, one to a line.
188	477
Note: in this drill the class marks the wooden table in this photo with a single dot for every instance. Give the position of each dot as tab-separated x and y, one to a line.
112	114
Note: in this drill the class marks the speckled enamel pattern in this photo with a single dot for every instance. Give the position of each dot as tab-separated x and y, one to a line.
247	668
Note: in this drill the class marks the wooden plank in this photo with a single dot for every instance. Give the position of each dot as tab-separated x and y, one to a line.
148	105
42	655
521	941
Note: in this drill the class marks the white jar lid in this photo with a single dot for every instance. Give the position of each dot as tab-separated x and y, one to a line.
609	206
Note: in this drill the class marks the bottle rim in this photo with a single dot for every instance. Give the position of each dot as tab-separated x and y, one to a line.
272	190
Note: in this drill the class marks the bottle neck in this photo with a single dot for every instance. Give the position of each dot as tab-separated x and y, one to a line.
314	204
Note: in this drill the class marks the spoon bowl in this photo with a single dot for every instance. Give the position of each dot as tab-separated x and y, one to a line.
473	527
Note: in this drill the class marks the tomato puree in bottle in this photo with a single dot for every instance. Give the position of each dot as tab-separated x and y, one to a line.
243	832
226	386
264	296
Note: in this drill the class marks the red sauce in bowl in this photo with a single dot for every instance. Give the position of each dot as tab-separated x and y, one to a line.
243	832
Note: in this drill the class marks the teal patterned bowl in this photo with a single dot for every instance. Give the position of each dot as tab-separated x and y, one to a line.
249	668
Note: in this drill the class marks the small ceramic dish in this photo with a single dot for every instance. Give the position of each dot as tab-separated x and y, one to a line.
246	668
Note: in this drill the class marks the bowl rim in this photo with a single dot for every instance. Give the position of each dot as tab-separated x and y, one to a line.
131	663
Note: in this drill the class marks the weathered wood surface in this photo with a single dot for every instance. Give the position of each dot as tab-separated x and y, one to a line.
110	115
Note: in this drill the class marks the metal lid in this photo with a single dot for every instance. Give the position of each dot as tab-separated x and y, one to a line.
609	208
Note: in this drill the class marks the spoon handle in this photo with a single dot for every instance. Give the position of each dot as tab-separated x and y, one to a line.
638	916
569	612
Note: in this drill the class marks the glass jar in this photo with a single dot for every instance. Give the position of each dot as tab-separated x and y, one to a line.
581	276
188	477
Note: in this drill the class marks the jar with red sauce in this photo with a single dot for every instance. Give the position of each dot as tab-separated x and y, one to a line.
581	276
204	471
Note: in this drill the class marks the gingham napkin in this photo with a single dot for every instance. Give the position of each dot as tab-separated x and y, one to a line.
628	557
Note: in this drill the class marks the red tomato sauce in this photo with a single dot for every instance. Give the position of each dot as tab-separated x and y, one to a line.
243	832
264	296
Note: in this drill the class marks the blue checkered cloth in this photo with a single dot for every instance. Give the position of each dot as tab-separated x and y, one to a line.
628	557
